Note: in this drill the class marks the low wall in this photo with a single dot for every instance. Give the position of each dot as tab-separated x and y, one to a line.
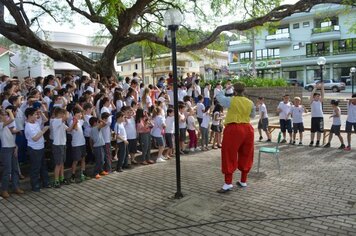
273	95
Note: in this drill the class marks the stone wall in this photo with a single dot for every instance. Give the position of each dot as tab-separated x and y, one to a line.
273	95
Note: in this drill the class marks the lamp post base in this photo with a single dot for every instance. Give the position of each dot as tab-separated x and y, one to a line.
178	195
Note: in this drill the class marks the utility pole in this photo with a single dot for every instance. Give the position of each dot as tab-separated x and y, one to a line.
143	65
254	72
143	61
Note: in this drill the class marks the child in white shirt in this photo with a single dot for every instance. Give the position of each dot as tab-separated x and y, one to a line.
106	132
351	120
216	125
317	115
78	149
336	126
200	109
59	146
98	143
297	115
169	133
207	94
182	128
204	129
8	159
88	113
121	140
263	121
157	132
193	140
130	127
285	122
36	149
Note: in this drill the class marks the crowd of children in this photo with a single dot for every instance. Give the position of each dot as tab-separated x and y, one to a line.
97	120
79	119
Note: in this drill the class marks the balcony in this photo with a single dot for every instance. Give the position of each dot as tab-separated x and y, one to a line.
278	40
240	46
326	33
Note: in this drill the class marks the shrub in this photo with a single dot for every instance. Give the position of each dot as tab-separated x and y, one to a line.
251	82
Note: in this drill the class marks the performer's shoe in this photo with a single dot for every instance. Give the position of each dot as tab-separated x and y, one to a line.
240	185
224	190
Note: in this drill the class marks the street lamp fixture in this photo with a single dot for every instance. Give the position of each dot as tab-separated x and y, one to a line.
352	71
321	62
172	19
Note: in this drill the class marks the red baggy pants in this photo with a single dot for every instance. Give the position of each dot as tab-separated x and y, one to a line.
237	150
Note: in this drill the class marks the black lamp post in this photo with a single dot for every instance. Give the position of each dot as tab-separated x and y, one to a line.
321	62
352	77
172	19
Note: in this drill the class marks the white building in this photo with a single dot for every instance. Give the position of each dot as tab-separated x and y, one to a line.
33	63
290	49
208	63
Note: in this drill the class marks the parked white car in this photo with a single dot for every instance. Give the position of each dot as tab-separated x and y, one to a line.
328	85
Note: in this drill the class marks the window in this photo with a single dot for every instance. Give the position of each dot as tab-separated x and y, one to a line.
306	24
296	26
344	46
273	53
136	66
267	53
245	56
280	30
234	57
264	53
258	54
283	30
296	47
327	22
95	55
261	54
292	74
318	49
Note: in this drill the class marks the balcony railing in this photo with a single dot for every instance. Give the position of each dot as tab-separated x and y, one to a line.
168	68
326	29
278	36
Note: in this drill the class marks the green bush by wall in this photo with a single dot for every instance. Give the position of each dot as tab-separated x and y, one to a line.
251	82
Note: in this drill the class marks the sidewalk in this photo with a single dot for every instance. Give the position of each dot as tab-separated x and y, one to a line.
314	195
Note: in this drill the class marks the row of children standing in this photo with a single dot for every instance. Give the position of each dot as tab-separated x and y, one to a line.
291	119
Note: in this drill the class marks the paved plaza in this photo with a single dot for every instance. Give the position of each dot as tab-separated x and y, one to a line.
315	194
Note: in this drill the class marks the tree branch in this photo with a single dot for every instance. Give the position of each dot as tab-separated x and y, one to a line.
92	17
42	6
128	16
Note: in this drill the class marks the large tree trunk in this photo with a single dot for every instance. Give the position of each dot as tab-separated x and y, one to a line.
105	68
